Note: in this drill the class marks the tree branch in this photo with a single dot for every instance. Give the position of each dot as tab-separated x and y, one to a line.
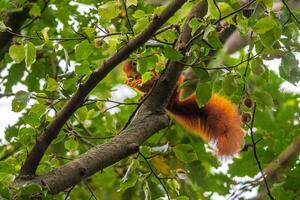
149	118
272	171
78	98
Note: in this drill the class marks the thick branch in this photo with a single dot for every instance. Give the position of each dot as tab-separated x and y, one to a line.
78	98
149	119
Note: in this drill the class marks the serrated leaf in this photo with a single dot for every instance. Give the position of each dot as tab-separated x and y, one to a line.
83	50
185	153
52	85
140	24
262	97
194	24
270	37
146	77
17	53
108	11
172	54
229	85
146	63
30	189
160	164
289	68
30	54
268	3
257	66
264	25
25	135
35	10
20	101
83	69
71	144
203	93
131	3
138	14
213	40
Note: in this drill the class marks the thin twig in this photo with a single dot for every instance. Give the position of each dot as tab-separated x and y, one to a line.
90	190
127	17
166	28
255	153
7	95
219	10
91	101
69	192
156	176
220	19
290	11
236	11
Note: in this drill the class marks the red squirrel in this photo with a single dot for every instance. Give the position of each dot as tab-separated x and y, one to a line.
218	121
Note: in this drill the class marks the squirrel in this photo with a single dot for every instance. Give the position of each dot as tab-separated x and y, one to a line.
218	121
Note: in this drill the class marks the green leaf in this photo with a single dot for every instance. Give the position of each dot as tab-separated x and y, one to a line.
83	69
30	54
268	4
146	63
30	189
289	68
26	135
131	3
83	50
146	77
257	66
129	180
3	27
52	85
90	32
138	14
185	153
172	54
264	25
202	74
140	24
262	98
270	37
32	119
109	10
20	101
242	23
17	53
35	10
82	113
71	144
229	84
194	24
213	39
203	93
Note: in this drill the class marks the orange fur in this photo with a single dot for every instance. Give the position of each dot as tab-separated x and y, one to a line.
218	121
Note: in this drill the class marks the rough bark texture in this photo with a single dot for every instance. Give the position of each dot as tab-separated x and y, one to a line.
149	119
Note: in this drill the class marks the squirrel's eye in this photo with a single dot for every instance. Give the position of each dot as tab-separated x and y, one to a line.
134	64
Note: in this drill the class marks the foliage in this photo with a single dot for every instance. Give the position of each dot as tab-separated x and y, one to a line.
62	42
